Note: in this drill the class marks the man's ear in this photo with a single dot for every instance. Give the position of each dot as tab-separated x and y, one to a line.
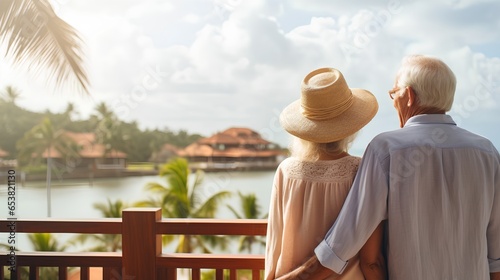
412	97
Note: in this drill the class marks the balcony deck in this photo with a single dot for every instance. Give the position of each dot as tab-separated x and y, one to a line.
141	256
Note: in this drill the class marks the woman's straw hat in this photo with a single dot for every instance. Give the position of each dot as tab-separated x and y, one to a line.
328	109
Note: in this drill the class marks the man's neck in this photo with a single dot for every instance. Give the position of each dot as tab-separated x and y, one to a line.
417	110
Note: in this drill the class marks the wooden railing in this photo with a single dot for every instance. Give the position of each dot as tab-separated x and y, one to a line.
141	256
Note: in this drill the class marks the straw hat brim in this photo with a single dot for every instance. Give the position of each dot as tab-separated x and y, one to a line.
361	112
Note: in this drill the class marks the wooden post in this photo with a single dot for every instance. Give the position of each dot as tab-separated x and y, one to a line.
140	243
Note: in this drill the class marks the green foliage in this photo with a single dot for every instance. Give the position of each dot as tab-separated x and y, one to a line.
104	242
114	133
250	209
46	242
44	137
241	274
35	169
183	198
111	209
14	123
54	49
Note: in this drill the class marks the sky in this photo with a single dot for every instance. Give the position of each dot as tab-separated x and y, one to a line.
208	65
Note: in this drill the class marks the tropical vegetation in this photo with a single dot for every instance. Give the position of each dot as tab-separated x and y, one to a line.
104	242
249	209
43	140
139	144
37	40
182	197
40	242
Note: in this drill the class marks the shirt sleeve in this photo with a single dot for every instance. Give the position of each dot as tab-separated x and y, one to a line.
493	232
274	231
365	207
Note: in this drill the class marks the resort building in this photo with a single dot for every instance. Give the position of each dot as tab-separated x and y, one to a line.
93	160
3	154
236	148
167	152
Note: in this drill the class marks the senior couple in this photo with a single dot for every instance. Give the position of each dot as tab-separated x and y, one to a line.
423	203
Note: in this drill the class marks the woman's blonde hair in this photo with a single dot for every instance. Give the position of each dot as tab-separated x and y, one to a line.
311	151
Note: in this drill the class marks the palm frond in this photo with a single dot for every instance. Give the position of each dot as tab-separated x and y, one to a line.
45	242
111	209
167	239
102	242
194	196
39	40
208	209
157	188
250	205
152	202
176	172
238	216
215	241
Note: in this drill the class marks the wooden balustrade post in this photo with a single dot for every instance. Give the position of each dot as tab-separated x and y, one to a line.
140	243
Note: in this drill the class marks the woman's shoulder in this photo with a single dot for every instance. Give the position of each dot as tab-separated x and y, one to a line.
321	169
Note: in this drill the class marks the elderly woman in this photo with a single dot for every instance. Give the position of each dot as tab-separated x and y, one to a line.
310	186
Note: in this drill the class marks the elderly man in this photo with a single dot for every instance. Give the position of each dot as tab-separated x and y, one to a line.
436	185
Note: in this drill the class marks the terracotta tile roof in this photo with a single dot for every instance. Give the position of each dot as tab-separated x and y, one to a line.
89	147
220	138
170	148
235	142
197	150
3	153
246	135
235	136
240	152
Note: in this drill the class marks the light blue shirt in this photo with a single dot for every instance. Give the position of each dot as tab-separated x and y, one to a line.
438	186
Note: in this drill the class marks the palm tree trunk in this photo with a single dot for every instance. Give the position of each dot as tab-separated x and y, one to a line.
49	169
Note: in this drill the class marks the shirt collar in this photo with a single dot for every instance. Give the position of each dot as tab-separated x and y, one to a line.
430	119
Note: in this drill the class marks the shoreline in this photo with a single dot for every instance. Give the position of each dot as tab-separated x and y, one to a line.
22	177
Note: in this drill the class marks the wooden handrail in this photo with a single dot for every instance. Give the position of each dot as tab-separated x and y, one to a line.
217	261
141	230
76	259
91	226
212	226
165	226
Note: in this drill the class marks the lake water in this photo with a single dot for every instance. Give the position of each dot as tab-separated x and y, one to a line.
75	198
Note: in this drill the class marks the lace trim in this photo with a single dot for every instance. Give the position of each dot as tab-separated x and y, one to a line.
341	169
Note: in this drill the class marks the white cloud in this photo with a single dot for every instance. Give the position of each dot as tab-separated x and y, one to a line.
226	63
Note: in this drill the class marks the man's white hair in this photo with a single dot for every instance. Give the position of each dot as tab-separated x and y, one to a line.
432	80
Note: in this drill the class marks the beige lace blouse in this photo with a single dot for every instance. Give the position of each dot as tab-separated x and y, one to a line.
306	199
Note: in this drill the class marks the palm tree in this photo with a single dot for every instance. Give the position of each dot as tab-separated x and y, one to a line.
111	209
179	199
10	95
46	242
70	111
39	242
45	138
251	210
109	130
36	38
104	242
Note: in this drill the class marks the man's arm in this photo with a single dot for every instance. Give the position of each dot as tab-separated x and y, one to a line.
493	230
371	258
312	269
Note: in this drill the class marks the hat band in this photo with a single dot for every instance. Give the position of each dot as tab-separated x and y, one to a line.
321	114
